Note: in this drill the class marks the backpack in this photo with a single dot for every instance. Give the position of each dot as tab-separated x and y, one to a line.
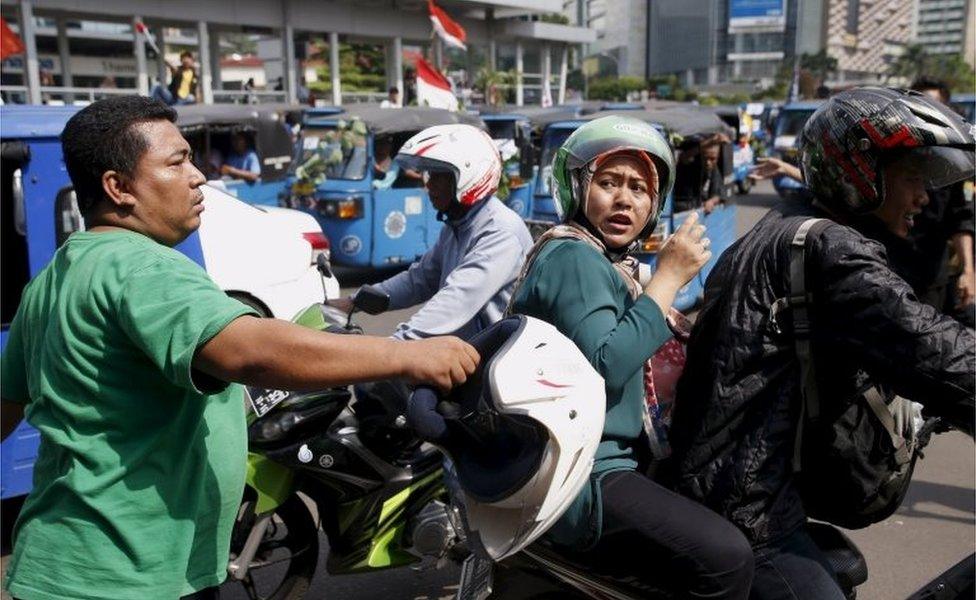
853	468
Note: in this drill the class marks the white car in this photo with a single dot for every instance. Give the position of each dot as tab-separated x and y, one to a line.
263	256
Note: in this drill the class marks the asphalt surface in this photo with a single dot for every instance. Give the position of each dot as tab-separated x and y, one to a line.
933	529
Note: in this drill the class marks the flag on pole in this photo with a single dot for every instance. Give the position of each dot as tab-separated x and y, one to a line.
546	94
147	35
433	89
10	42
794	94
448	29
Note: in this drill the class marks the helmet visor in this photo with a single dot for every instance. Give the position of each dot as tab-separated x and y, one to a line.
940	166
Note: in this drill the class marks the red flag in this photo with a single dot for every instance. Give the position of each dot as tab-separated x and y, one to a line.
433	89
10	42
448	30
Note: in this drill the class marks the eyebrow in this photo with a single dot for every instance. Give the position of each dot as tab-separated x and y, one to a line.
180	152
614	171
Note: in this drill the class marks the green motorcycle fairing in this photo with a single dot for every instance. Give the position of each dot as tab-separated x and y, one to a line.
271	481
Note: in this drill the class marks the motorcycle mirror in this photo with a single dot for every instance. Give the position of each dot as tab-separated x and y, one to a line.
323	266
370	300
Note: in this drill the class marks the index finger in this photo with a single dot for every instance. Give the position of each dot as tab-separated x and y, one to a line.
688	224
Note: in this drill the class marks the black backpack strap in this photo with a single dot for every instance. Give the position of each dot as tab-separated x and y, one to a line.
799	302
880	409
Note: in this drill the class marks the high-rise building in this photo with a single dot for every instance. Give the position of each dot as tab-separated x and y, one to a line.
866	35
621	30
941	25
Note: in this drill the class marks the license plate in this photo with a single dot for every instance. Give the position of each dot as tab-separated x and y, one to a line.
262	401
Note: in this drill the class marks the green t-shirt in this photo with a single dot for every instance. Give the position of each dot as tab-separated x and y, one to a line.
140	471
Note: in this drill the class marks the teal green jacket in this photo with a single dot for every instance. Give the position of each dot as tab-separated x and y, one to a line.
576	289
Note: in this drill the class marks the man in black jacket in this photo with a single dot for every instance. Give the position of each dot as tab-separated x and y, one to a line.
868	156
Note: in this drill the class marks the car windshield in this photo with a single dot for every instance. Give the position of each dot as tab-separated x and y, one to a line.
791	122
337	150
551	142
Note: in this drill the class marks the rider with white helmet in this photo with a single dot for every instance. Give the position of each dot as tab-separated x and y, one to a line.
466	278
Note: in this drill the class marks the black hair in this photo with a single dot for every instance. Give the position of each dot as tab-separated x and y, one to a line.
103	137
393	90
928	83
185	53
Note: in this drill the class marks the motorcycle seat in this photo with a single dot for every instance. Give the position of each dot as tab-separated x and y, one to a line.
845	558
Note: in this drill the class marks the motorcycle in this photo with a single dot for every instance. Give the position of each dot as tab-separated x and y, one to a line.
544	572
350	467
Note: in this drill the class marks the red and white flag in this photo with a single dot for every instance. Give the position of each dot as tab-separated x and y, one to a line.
10	42
147	35
448	29
433	89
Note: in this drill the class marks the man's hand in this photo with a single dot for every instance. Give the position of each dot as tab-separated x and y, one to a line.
771	168
343	304
966	289
444	362
709	205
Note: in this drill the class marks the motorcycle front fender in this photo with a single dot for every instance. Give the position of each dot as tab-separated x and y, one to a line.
272	482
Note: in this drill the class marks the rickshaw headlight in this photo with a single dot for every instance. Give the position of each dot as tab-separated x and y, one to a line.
342	208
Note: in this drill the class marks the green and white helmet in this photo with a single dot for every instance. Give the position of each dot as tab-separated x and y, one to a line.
600	137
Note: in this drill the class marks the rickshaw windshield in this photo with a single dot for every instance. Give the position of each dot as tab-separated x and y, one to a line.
342	150
501	130
791	122
551	142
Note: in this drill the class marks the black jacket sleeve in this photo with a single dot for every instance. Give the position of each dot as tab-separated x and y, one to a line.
874	315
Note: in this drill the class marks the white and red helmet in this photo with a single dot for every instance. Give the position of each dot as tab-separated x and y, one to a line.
464	150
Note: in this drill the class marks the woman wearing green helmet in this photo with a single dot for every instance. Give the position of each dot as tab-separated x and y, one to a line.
610	180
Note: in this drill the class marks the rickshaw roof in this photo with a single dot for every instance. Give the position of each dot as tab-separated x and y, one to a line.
683	120
726	110
386	121
804	105
213	114
24	121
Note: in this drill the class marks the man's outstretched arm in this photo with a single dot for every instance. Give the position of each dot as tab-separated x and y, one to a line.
272	353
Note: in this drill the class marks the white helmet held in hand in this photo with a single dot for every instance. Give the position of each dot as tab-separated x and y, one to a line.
521	432
464	150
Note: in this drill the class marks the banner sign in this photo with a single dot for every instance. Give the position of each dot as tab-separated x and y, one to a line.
749	14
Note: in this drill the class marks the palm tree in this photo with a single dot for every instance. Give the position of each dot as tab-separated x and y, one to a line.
821	65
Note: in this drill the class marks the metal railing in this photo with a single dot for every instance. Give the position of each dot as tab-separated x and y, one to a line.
248	96
17	94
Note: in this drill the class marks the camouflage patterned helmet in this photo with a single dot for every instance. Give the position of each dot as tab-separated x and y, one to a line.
846	144
598	138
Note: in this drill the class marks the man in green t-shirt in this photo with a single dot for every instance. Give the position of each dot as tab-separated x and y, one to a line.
122	355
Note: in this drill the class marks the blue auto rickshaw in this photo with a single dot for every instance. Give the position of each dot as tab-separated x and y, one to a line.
789	123
512	133
965	105
269	131
743	156
676	122
375	217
